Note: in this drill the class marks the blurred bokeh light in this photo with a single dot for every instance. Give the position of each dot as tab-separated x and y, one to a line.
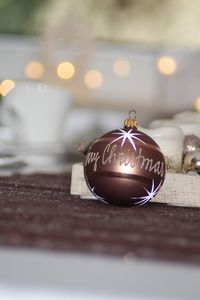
65	70
34	70
166	65
121	67
93	79
6	86
197	104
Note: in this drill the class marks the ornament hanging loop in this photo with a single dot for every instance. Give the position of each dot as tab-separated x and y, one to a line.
132	121
132	114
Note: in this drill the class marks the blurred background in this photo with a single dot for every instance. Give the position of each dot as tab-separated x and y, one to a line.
103	57
70	71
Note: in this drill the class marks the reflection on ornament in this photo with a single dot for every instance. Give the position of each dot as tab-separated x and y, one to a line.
192	162
150	194
98	197
130	136
125	170
191	144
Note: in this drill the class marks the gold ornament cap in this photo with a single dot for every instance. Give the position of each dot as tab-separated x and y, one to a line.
131	122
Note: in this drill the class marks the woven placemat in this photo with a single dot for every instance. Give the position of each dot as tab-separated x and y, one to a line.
37	211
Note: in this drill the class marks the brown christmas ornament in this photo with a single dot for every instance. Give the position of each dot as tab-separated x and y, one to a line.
125	166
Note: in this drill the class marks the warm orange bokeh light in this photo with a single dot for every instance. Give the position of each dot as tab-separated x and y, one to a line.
121	67
197	104
34	70
166	65
6	86
93	79
65	70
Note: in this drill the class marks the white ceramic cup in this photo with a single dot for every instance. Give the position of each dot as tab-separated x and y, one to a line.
36	112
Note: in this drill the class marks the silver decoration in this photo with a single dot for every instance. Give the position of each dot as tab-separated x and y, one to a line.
191	144
191	162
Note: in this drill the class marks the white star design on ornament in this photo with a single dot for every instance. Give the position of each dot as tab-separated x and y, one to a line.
149	196
98	197
131	136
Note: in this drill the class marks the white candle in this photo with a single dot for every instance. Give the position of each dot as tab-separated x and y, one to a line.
188	127
170	139
188	116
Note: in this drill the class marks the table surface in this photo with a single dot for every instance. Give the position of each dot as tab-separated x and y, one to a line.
37	211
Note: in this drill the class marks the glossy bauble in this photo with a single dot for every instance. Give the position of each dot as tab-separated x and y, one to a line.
124	167
192	162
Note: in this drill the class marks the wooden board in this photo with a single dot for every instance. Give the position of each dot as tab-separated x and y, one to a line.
178	189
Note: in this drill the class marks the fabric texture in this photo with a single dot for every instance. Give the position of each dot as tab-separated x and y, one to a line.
37	211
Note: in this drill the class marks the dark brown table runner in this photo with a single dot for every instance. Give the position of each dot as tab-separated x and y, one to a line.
37	211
